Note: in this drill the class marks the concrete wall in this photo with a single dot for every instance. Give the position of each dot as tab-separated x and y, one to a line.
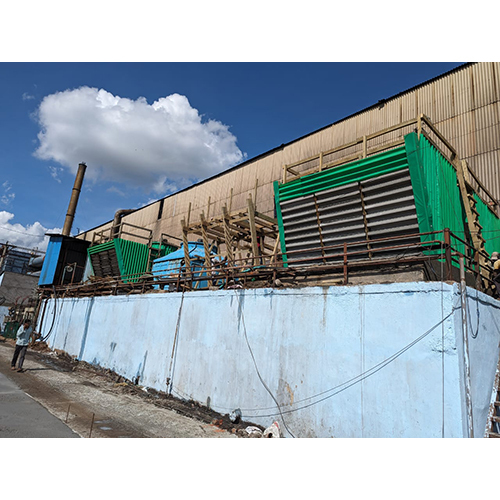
305	342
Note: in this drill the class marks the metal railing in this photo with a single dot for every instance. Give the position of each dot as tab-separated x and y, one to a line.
124	229
437	249
422	125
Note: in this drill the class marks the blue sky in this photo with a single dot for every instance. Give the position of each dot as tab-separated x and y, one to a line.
147	129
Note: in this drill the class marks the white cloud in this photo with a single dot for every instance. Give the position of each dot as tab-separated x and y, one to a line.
27	97
29	236
153	146
54	172
7	197
114	189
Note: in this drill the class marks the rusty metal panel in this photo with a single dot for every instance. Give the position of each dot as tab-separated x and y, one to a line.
483	88
487	167
408	106
496	79
462	94
442	102
487	128
425	101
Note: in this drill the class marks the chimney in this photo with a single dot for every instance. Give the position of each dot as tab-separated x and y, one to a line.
73	202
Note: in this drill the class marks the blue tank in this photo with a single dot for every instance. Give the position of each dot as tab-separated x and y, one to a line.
169	265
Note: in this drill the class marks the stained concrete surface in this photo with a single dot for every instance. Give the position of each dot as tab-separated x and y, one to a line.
22	417
91	405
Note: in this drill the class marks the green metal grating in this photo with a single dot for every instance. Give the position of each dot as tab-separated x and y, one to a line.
128	257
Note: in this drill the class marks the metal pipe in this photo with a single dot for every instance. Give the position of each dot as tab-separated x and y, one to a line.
468	390
73	202
116	221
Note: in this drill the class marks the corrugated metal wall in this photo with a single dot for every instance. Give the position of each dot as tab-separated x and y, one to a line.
464	106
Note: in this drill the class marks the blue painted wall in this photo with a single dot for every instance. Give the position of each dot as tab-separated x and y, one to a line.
305	342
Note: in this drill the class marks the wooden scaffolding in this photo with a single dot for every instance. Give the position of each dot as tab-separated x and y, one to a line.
244	237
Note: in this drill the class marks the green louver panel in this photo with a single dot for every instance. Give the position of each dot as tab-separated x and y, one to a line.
437	196
101	248
132	258
367	168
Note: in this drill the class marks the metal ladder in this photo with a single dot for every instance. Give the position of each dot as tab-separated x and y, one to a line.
493	423
475	228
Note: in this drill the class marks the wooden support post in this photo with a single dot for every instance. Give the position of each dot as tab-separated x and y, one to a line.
419	125
253	230
185	244
364	147
321	161
274	257
231	201
206	247
228	238
255	194
284	174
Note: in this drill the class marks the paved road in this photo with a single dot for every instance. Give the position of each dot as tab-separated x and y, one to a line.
93	404
21	416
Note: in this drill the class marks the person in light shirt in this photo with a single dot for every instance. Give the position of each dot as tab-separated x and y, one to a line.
22	340
495	275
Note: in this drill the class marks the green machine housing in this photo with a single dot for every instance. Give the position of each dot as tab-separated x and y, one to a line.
407	190
126	259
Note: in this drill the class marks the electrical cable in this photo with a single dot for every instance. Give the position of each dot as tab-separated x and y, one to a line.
43	339
257	368
361	376
368	373
473	335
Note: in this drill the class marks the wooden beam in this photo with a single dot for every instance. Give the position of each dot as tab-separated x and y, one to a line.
253	231
185	244
227	237
262	216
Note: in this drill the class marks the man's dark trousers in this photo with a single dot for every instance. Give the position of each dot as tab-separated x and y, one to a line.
21	353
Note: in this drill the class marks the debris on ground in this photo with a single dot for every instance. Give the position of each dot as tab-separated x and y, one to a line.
253	432
273	431
62	361
235	416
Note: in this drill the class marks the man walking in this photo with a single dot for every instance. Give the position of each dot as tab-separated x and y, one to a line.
22	340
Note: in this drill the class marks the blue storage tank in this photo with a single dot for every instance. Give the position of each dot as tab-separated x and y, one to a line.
170	264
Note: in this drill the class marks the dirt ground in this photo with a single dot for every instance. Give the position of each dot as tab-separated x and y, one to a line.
99	403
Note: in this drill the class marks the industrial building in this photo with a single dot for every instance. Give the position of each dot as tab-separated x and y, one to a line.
350	269
19	276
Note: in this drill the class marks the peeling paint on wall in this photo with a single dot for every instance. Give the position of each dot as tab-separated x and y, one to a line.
321	351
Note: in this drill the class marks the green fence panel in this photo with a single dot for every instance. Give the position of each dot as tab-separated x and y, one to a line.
491	226
437	196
